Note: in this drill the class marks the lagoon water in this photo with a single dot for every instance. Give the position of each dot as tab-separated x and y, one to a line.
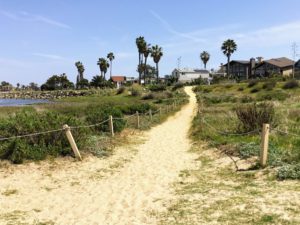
20	102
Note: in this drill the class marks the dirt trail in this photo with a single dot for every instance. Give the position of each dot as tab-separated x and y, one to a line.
78	194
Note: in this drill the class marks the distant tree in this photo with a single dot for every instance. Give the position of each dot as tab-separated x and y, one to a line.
33	86
103	65
149	72
228	48
83	84
156	54
57	82
4	83
18	86
141	46
80	69
205	58
146	53
99	81
110	57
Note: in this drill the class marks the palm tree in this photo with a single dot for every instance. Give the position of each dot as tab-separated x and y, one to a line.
156	54
140	44
103	65
80	69
146	53
228	48
110	57
205	58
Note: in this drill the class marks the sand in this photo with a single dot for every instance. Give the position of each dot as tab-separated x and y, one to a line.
126	188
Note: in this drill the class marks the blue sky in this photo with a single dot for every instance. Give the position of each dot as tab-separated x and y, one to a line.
40	38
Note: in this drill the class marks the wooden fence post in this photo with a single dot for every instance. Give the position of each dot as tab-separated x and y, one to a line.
150	114
264	144
72	142
111	126
137	120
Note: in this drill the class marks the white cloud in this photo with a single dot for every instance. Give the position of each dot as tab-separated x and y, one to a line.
27	17
49	56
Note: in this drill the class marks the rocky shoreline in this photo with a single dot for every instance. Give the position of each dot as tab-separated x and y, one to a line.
45	94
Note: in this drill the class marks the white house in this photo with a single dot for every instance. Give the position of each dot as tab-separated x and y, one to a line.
188	75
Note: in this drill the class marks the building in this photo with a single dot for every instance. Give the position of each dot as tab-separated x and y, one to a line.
188	75
281	66
118	80
297	67
242	69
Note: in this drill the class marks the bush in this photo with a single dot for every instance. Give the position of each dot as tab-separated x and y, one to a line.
131	109
240	89
37	147
254	90
216	99
136	90
252	116
157	87
291	84
278	95
289	172
121	90
269	85
148	96
246	99
97	114
177	86
252	83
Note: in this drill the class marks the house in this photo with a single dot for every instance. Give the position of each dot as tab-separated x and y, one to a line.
242	69
297	67
118	80
282	66
188	75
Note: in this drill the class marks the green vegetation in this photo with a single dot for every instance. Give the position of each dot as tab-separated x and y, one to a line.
79	112
228	111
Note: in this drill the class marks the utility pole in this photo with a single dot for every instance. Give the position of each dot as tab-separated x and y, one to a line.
294	53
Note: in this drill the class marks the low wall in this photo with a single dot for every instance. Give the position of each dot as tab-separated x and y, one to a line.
46	94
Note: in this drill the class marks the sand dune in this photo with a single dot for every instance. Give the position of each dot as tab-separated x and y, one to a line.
123	189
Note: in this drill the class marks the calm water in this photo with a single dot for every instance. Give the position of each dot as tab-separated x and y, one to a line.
20	102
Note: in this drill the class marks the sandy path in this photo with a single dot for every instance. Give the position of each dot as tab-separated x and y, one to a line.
77	195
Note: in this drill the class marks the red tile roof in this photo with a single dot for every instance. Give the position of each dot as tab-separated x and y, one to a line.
118	78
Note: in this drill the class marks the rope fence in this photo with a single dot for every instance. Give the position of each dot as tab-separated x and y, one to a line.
264	132
136	119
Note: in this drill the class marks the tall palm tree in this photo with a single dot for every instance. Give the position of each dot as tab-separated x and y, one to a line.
205	58
103	65
156	54
140	44
146	53
110	57
80	69
228	48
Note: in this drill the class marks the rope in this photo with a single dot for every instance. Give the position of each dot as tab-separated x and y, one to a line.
87	126
30	135
286	133
229	134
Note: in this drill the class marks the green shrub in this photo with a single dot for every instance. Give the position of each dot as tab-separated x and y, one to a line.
291	84
246	99
240	89
148	96
289	172
136	90
157	87
121	90
278	95
269	85
254	90
247	150
252	83
39	146
177	86
252	116
140	107
216	99
95	115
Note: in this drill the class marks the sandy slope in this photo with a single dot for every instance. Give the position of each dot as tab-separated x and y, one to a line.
121	190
